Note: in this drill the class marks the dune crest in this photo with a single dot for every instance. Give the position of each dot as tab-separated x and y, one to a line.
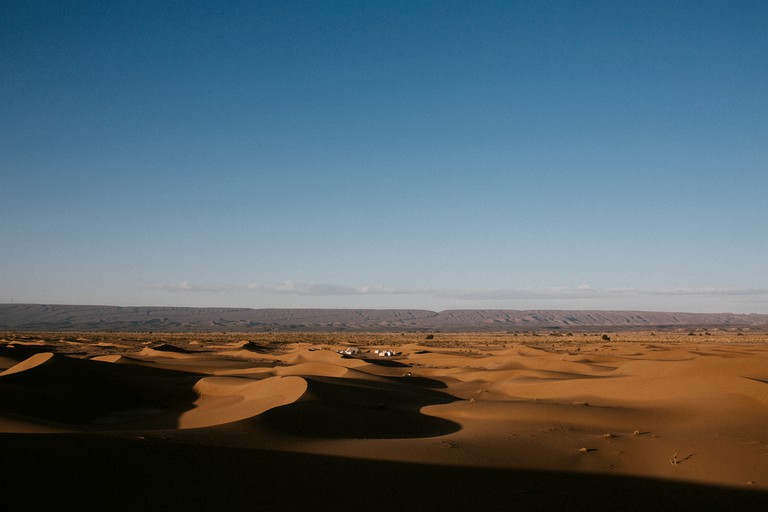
30	362
229	399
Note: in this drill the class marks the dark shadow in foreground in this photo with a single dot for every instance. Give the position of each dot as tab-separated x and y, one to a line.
112	472
342	408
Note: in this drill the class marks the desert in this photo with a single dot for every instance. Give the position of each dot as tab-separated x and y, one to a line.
538	420
362	256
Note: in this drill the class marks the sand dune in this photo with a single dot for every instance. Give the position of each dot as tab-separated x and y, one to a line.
228	399
531	415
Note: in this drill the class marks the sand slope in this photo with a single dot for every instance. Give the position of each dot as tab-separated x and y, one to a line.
526	423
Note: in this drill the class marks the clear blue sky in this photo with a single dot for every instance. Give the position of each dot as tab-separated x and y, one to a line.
437	155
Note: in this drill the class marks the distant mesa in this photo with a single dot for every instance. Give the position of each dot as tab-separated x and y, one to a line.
77	318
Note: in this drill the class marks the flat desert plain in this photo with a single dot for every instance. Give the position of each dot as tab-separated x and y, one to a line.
385	421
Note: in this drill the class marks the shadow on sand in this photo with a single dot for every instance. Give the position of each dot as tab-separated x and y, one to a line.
109	472
338	408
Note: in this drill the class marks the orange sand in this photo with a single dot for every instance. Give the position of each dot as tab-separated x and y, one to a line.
300	426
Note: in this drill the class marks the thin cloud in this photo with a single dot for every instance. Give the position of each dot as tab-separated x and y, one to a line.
291	288
330	289
184	286
588	292
719	292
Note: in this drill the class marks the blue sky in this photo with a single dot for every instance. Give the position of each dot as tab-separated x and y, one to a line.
436	155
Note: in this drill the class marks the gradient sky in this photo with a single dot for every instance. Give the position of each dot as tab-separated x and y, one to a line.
366	154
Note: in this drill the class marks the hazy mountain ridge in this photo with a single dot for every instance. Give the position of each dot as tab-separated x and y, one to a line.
62	317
